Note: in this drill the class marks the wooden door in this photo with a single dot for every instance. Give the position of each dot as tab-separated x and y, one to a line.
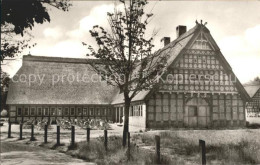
197	113
192	116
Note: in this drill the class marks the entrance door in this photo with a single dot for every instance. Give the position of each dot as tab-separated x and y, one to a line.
197	113
202	116
192	116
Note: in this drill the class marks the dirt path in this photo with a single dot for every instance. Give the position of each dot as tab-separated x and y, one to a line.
13	153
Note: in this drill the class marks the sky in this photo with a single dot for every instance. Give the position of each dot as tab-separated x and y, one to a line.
235	26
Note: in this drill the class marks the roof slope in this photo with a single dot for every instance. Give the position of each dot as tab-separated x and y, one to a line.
171	51
63	81
174	50
90	92
252	89
119	98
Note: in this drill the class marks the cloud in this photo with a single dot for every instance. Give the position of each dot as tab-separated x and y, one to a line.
53	33
97	16
252	36
67	48
243	53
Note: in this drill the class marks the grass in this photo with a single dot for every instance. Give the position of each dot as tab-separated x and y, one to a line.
174	150
241	152
94	151
177	147
8	147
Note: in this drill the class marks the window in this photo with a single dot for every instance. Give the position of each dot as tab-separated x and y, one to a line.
46	111
85	111
33	109
108	111
79	111
192	111
59	111
104	111
39	111
66	111
53	111
72	111
98	111
91	112
19	111
26	111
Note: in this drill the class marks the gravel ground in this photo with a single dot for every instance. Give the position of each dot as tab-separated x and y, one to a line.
17	153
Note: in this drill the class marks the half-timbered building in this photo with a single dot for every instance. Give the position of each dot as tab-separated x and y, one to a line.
253	106
198	90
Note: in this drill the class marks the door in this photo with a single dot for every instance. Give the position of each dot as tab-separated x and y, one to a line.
197	113
202	116
192	116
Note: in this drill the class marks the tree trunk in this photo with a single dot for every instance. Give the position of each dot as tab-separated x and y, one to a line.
126	121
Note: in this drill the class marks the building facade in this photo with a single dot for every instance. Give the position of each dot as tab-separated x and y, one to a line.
199	89
253	106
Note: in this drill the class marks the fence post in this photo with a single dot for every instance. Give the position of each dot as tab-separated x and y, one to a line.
32	133
9	129
58	135
105	138
202	144
21	131
88	134
128	144
157	148
72	135
45	133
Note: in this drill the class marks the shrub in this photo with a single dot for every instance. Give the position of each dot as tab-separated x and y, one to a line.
4	113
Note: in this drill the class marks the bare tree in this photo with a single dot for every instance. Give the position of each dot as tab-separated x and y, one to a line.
126	54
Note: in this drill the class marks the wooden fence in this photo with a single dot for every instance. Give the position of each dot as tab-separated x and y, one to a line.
202	143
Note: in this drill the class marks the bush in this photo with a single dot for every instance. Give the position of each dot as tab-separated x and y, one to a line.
4	113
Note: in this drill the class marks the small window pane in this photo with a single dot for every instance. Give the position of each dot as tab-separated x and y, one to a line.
66	111
72	111
39	111
26	111
79	111
59	111
91	112
33	109
85	111
46	111
53	111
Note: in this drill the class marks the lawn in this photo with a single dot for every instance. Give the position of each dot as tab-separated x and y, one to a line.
241	146
237	146
222	146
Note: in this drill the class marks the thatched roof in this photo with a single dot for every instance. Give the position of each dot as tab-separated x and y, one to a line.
79	91
119	98
90	92
171	51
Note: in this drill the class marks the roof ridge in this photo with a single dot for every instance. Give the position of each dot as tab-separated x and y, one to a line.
60	59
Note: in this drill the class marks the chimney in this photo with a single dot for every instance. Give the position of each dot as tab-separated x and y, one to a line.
165	40
180	30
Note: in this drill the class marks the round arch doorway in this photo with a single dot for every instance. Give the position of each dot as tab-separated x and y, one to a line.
197	113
